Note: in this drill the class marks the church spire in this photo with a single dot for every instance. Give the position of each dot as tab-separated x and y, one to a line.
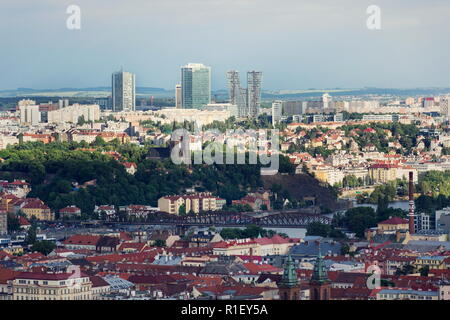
320	274
289	278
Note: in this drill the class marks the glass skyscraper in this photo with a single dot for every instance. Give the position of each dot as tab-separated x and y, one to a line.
195	86
123	91
247	100
254	79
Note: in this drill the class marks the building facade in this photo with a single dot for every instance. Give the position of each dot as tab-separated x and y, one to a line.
58	286
123	91
277	110
192	203
195	86
237	94
178	98
3	222
254	80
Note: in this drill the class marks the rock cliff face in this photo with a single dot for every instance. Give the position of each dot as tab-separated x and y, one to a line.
303	185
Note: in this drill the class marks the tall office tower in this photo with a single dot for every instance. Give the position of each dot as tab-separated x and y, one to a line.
326	99
238	95
254	79
277	110
3	222
123	91
178	103
195	86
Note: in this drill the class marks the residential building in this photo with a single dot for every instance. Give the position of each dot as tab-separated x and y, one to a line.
29	114
178	97
277	110
204	238
18	188
130	167
406	294
69	212
3	222
51	286
196	203
393	224
37	208
123	91
74	113
444	290
383	173
254	79
237	94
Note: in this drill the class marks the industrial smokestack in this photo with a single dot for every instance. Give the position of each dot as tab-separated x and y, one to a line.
411	203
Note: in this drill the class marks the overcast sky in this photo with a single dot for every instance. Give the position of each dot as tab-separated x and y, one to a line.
298	44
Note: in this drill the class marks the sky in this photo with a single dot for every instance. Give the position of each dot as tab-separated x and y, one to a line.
297	44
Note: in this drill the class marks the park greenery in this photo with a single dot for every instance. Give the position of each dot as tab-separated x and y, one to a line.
251	231
355	220
81	174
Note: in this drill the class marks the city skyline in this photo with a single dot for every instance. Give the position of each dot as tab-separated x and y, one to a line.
307	45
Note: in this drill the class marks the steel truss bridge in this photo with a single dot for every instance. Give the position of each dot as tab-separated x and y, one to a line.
275	219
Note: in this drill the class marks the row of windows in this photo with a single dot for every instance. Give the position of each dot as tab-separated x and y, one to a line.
412	297
80	297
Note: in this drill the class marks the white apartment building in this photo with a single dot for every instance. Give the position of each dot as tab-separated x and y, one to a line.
29	114
51	286
277	111
195	203
73	113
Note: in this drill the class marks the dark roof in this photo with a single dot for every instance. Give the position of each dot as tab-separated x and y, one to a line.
98	282
108	242
223	268
158	153
273	277
311	248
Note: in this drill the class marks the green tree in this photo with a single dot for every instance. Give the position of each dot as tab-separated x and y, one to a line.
31	235
160	243
44	247
182	210
318	229
359	219
424	271
13	223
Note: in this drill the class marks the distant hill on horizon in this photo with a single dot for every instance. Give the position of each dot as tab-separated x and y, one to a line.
223	93
80	92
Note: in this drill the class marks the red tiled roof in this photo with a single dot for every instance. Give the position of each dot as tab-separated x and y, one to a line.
23	221
7	274
394	220
82	240
70	209
261	268
98	281
35	204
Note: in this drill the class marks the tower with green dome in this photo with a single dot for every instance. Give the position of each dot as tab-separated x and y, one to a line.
320	286
288	287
